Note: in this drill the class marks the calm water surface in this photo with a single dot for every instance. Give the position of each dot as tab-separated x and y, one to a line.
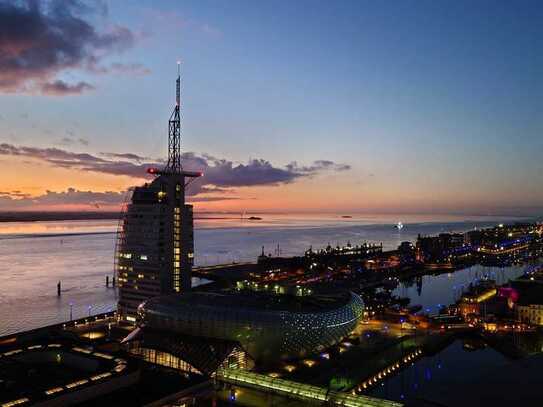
476	378
434	291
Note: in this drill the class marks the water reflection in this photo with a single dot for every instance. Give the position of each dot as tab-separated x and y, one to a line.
432	292
466	373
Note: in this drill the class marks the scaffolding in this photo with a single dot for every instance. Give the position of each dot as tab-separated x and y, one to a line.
120	238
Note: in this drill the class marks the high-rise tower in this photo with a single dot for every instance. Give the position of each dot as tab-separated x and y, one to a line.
155	248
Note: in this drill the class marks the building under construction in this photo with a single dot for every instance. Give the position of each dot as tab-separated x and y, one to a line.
155	246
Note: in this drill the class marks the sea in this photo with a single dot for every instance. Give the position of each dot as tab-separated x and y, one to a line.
35	256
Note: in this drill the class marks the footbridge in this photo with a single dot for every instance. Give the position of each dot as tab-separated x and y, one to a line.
300	391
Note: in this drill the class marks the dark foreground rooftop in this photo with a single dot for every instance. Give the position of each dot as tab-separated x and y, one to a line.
45	372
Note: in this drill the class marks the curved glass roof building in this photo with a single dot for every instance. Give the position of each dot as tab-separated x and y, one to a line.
267	326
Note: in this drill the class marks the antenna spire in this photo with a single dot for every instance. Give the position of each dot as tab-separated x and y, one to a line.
178	84
174	130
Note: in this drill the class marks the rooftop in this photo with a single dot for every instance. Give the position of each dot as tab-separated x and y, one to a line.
54	370
532	294
264	301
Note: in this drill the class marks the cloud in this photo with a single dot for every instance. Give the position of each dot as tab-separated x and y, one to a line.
71	140
51	155
64	141
127	156
220	175
109	200
213	198
224	173
213	189
40	40
318	165
118	68
218	172
72	196
61	88
14	194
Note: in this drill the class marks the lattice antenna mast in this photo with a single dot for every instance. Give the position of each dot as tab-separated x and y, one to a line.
174	131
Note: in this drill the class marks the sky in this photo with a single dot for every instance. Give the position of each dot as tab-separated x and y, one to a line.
306	106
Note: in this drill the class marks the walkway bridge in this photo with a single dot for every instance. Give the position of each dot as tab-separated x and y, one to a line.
300	391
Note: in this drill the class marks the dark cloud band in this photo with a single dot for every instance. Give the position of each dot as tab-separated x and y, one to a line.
39	40
220	175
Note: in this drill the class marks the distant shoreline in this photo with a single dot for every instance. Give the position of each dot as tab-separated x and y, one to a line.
12	216
61	216
56	216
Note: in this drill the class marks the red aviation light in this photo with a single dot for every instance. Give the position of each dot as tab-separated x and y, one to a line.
152	170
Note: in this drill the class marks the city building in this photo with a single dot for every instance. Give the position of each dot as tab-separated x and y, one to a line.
529	305
155	247
60	373
267	326
443	251
476	301
530	310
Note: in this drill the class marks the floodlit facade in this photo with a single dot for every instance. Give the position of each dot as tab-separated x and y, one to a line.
530	313
267	326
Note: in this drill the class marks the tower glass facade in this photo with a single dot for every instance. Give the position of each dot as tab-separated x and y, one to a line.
156	252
